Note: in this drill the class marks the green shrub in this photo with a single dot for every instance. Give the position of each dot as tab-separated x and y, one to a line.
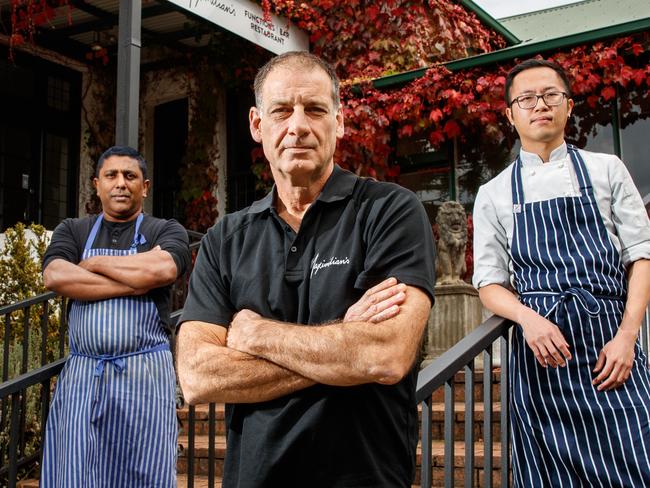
20	269
20	263
21	278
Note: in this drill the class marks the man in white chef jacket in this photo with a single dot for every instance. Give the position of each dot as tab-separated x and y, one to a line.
562	248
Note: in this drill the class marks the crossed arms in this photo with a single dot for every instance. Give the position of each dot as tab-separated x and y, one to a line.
257	359
102	277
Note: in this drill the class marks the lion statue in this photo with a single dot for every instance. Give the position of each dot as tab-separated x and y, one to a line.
452	227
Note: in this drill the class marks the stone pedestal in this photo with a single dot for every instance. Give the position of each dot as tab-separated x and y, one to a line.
456	312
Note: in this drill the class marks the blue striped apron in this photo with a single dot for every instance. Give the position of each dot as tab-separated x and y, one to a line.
564	432
112	422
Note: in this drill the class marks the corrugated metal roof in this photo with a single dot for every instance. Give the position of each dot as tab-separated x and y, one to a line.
97	21
575	18
170	22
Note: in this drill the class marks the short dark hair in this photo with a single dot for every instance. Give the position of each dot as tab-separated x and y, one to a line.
122	151
536	63
301	59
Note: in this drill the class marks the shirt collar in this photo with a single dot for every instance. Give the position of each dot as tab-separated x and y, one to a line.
337	187
265	203
531	159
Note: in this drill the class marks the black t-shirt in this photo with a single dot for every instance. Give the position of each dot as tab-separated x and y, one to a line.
357	233
69	239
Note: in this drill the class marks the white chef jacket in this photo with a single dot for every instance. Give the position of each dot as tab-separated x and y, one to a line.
619	202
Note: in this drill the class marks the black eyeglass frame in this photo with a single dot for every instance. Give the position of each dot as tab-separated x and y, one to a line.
542	96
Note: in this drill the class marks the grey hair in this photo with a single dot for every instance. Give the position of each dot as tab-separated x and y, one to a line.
300	59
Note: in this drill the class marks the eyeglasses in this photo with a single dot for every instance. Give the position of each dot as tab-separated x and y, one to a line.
527	102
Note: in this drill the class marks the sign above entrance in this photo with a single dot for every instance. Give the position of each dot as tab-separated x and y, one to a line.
246	19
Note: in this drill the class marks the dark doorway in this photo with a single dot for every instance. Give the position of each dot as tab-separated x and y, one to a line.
170	140
241	180
39	141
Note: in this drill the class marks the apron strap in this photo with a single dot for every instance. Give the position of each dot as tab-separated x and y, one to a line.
517	186
93	232
581	171
138	238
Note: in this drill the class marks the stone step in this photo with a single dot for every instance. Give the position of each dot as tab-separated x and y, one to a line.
27	483
202	482
199	482
181	482
459	387
437	465
201	419
437	453
201	422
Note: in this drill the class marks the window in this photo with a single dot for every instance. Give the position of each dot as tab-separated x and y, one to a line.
58	94
591	128
426	172
55	181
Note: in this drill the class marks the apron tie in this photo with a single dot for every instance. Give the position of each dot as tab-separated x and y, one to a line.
117	361
588	301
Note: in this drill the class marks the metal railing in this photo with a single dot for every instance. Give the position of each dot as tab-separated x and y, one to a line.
442	372
14	392
20	448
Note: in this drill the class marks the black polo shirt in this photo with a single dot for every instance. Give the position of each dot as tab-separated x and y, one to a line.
69	239
357	233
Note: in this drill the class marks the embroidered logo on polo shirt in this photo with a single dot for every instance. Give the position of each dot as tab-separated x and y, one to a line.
316	265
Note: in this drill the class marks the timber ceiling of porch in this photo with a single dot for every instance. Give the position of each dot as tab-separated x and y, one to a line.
75	29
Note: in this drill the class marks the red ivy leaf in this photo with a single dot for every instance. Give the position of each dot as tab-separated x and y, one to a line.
451	129
638	76
436	137
608	93
435	115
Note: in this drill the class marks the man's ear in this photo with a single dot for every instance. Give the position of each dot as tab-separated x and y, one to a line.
340	124
146	184
95	184
254	121
509	115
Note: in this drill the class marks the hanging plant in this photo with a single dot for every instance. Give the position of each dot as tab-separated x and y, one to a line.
198	174
28	15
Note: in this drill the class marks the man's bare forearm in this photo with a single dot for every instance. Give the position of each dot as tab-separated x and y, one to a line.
638	295
151	269
210	372
73	281
503	302
340	354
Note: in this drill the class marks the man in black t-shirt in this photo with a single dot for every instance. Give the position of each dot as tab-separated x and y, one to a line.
306	310
114	404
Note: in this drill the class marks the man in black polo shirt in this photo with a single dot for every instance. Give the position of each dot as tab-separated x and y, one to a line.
285	322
